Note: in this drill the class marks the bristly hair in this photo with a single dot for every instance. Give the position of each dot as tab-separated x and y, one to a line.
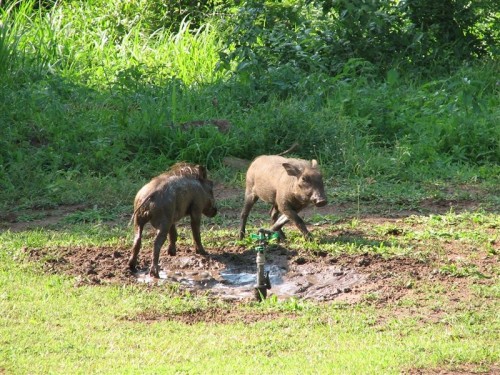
188	170
182	169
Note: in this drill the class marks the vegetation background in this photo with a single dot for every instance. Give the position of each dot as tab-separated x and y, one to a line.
94	95
398	100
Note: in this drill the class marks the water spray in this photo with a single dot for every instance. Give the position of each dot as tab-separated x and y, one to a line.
263	281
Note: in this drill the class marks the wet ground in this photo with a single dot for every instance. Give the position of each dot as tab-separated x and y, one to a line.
230	273
233	276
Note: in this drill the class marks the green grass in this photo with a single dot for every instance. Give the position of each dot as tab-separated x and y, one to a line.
86	330
93	96
50	325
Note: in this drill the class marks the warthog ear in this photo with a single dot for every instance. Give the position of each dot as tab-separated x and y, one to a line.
203	171
314	163
292	170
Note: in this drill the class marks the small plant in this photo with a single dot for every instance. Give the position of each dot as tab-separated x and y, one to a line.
354	223
467	270
95	215
288	305
371	297
390	230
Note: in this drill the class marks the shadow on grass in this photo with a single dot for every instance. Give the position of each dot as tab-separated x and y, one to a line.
353	238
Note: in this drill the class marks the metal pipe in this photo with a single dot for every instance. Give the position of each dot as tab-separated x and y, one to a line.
263	281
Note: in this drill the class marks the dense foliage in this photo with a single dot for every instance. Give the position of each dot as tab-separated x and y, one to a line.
321	36
94	91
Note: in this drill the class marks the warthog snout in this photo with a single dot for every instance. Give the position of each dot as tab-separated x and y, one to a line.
210	212
320	202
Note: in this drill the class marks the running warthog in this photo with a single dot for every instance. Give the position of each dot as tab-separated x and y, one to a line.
288	184
181	191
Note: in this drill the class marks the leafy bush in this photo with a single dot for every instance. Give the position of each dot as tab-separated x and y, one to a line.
321	36
92	102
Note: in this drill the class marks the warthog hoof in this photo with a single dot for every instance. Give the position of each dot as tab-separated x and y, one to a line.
132	266
155	272
172	251
201	251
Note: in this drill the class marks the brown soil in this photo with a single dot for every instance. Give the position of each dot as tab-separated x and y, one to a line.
318	277
369	278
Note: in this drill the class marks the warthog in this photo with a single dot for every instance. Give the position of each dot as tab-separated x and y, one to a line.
181	191
288	184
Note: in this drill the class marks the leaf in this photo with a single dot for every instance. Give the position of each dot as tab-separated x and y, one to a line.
392	77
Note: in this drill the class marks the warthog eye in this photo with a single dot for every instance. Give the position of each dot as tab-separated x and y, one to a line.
306	179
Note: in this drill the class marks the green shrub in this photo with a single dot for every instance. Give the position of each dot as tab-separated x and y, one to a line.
89	93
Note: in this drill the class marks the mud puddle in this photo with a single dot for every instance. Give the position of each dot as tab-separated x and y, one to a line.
234	281
230	274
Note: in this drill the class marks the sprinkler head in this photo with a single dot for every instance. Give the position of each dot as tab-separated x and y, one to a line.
260	249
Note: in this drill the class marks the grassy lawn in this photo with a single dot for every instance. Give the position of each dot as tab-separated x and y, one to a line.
402	274
429	302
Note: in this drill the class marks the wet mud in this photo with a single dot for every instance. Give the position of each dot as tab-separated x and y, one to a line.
230	274
228	271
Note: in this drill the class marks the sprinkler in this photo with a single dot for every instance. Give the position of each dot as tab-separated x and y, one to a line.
263	281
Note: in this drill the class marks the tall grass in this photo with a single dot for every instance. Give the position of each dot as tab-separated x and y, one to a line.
97	91
92	43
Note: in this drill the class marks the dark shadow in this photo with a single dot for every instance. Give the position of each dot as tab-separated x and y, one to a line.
354	238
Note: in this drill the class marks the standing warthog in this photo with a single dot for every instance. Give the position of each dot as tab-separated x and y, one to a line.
288	184
181	191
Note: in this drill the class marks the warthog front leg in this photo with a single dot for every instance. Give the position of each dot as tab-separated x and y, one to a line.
195	228
293	216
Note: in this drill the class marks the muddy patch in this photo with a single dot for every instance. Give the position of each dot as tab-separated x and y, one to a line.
231	274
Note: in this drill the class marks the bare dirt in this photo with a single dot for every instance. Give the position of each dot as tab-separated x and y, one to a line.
228	271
